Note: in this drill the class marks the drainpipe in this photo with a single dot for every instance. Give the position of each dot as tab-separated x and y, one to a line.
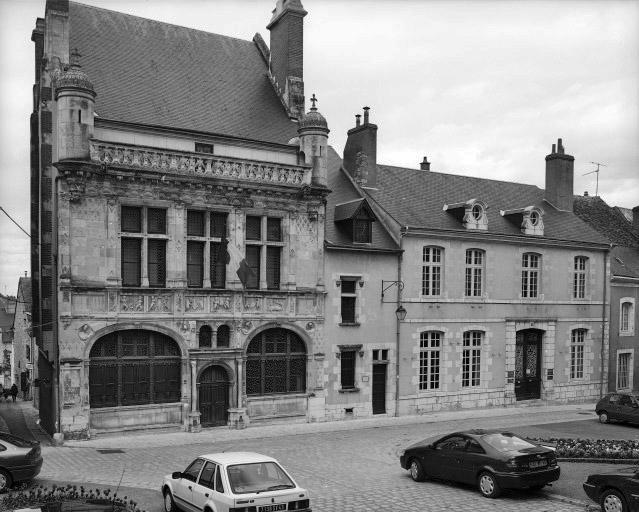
58	436
603	320
397	320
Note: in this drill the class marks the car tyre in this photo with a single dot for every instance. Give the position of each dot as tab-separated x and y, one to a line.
613	501
488	486
169	504
416	471
5	481
603	417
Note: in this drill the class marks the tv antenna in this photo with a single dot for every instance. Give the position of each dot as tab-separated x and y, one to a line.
596	171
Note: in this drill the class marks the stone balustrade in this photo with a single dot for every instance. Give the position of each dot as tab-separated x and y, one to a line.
197	164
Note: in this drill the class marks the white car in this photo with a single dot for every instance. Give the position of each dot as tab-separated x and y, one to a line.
233	482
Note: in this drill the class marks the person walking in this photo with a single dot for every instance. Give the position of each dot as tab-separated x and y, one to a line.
1	391
14	391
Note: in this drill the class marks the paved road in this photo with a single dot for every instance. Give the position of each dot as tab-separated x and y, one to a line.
348	470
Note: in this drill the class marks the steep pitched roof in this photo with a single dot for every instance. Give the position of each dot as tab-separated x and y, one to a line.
416	198
609	221
625	261
24	293
345	194
158	74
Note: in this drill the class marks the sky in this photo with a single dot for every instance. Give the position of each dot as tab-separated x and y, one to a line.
481	87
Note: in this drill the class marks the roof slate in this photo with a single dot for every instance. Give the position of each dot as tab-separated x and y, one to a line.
416	198
157	74
609	221
343	191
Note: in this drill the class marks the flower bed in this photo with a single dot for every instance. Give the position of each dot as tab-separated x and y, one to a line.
605	449
59	499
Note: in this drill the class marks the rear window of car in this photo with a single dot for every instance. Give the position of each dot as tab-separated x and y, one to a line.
258	477
507	442
16	441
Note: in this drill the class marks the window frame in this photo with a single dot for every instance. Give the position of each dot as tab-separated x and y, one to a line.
474	273
580	277
472	343
627	316
577	353
212	267
348	374
430	360
264	249
531	265
349	297
432	270
629	355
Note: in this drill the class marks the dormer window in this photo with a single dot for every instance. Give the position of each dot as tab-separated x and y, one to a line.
529	219
355	220
471	213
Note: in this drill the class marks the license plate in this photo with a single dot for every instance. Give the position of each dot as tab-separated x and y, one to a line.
538	463
272	508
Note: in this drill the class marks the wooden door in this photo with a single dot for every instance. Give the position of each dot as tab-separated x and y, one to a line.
528	365
213	391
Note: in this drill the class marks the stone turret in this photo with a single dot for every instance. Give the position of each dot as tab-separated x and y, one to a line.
313	132
75	97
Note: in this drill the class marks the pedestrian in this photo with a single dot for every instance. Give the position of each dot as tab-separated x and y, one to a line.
1	390
14	391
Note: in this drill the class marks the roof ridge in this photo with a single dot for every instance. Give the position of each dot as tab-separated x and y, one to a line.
162	22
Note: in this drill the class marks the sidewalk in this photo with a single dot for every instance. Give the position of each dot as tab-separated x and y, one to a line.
143	439
21	418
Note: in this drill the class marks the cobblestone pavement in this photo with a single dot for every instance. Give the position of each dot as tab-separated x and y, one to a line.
355	469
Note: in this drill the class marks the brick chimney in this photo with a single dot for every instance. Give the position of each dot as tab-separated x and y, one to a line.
287	53
360	151
559	178
425	164
635	221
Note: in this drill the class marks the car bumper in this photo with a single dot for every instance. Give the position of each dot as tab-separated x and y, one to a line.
591	491
528	479
27	471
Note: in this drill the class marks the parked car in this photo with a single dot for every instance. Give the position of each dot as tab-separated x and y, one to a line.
233	482
19	460
619	407
616	491
490	459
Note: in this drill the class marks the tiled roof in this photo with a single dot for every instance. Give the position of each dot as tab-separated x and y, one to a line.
625	261
347	210
416	198
24	293
343	192
609	221
158	74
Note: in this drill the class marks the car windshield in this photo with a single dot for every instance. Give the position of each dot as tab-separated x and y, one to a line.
16	441
258	477
505	442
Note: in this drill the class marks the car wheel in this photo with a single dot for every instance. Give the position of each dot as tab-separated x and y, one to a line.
488	485
5	480
416	471
603	417
169	504
612	501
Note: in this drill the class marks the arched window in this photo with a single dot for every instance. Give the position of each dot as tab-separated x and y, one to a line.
223	336
134	367
276	363
205	336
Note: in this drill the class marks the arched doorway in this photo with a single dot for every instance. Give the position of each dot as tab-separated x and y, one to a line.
528	364
213	387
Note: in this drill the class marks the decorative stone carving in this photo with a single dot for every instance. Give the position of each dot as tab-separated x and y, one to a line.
113	302
85	332
276	304
131	303
194	304
222	302
253	304
160	303
245	326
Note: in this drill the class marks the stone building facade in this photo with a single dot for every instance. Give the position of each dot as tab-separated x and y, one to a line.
25	352
184	277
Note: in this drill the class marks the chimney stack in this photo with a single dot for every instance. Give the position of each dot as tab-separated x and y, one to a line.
425	164
559	178
360	151
287	53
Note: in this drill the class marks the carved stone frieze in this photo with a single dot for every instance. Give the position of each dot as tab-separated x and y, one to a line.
160	303
131	303
194	304
221	303
253	304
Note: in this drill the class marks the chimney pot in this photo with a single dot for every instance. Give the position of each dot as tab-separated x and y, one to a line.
425	164
560	147
357	119
366	109
586	193
553	150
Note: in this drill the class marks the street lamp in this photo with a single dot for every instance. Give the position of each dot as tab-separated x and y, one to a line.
400	313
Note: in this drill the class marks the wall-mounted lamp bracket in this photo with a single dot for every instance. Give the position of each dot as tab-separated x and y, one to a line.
389	284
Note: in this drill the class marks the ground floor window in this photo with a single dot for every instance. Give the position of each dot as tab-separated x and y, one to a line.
471	358
275	363
134	367
624	364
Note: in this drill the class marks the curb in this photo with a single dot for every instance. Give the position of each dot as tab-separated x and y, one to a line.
571	501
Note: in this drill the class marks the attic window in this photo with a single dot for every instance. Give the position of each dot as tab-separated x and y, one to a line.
355	219
534	218
529	219
362	228
477	212
471	213
201	147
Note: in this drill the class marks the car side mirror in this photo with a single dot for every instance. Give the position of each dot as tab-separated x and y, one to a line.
176	475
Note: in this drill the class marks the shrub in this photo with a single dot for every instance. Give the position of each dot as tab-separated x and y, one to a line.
590	448
27	496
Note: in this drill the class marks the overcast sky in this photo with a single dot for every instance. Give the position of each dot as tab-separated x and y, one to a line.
483	88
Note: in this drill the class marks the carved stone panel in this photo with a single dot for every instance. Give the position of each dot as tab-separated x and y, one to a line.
194	303
221	303
160	303
253	304
132	303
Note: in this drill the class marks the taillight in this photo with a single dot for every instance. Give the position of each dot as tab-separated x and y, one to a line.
242	509
298	505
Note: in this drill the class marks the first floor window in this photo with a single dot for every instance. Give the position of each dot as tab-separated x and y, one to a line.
194	264
429	356
348	301
529	275
156	262
623	370
474	273
431	271
131	261
276	363
626	323
347	369
579	277
471	358
253	261
218	265
577	341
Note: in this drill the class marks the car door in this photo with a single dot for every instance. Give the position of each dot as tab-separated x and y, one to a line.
474	459
449	453
203	488
183	487
625	408
612	407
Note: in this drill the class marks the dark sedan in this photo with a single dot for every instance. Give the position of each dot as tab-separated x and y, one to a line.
617	491
19	460
490	459
619	407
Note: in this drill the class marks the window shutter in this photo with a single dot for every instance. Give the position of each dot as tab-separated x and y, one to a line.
195	264
194	223
131	219
273	268
218	224
156	221
253	261
253	228
218	266
131	261
157	263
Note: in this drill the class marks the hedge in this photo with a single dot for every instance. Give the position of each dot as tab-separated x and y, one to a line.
592	449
